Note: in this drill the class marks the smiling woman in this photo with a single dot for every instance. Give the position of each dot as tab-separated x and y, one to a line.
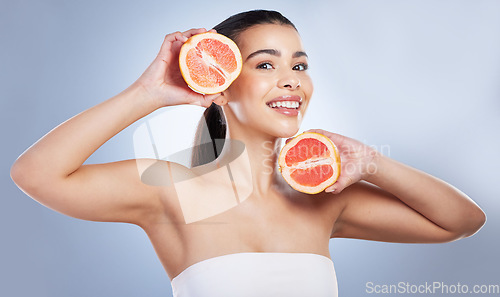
269	44
229	226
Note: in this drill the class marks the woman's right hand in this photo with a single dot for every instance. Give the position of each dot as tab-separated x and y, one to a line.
162	81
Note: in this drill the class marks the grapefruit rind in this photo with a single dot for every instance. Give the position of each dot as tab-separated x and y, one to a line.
286	171
191	43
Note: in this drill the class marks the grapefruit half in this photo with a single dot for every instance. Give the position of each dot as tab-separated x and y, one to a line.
209	62
310	162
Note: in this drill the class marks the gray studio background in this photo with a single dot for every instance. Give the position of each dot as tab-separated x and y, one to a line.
421	78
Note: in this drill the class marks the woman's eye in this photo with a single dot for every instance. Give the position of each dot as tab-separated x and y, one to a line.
301	67
265	66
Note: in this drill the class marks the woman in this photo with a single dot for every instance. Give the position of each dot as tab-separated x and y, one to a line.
273	241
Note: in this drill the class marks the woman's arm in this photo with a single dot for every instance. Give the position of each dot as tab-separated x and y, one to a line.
405	205
52	172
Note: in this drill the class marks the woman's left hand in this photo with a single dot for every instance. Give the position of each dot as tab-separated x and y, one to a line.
358	161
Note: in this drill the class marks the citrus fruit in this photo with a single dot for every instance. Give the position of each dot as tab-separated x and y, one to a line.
209	62
310	162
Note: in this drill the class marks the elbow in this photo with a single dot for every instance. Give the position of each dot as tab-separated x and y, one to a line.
17	173
476	221
23	175
472	223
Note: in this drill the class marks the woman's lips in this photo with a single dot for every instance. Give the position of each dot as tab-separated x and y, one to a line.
288	105
291	98
287	111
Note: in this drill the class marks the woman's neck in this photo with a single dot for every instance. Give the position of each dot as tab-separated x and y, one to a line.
253	156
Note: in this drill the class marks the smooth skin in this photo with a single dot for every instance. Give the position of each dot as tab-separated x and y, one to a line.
375	198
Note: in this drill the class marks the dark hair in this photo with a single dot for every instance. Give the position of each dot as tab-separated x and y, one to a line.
207	146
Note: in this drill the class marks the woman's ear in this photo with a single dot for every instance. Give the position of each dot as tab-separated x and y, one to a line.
221	99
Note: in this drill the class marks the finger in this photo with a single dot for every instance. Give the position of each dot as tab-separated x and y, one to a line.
320	131
212	97
212	30
198	100
159	64
342	183
193	32
167	43
330	189
204	100
326	133
337	139
332	136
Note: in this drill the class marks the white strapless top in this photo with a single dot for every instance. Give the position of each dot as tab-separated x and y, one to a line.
258	274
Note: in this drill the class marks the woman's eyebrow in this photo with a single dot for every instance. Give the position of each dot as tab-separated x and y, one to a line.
299	54
277	53
265	51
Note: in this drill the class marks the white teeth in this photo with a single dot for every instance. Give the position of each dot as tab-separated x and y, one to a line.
287	104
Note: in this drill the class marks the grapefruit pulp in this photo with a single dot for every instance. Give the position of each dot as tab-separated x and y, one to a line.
310	162
209	62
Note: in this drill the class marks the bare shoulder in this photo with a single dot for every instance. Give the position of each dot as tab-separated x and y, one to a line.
323	205
332	205
182	189
163	177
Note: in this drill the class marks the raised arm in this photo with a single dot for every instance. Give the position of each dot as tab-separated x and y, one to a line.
401	203
51	171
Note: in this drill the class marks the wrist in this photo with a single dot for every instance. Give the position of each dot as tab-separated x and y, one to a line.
142	96
375	169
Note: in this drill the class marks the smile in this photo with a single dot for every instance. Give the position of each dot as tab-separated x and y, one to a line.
284	104
287	105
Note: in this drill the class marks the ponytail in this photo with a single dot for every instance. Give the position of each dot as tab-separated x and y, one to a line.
210	136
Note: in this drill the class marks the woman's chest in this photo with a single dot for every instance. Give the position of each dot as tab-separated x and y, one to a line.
259	229
278	224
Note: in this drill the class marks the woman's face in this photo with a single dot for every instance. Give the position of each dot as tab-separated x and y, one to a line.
274	73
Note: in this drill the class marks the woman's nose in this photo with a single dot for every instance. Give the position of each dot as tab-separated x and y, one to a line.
289	81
